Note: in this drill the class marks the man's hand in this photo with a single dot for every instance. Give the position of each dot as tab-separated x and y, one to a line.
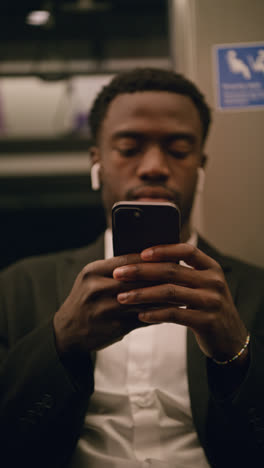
91	318
208	306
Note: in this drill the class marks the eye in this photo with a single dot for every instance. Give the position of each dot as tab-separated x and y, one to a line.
127	152
179	149
127	146
178	154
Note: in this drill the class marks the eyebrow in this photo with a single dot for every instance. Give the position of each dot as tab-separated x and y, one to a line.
190	137
127	134
187	136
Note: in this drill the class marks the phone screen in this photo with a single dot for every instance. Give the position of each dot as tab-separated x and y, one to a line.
139	225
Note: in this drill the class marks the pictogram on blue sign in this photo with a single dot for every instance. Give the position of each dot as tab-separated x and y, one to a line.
240	76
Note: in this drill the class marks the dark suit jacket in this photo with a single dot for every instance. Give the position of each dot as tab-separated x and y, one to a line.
43	403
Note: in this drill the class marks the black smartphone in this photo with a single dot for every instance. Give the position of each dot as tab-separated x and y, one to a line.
139	225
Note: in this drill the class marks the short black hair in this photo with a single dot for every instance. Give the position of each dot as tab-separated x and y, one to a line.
146	79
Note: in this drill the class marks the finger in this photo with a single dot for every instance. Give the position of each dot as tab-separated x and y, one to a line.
158	273
111	311
176	252
98	287
187	317
120	327
106	267
161	273
171	294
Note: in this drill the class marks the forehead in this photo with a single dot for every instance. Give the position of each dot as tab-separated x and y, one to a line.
156	111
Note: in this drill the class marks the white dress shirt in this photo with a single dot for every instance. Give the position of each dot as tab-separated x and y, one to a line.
139	415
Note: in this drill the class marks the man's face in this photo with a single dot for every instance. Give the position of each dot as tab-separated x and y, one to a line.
150	147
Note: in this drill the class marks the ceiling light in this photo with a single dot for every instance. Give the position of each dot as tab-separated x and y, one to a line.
38	17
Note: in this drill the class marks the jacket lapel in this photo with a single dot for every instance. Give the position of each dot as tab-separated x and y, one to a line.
70	266
72	263
196	360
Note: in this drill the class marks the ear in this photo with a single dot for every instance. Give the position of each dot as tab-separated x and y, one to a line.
203	160
95	154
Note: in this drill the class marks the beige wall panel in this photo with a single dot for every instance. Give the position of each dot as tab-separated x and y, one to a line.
231	214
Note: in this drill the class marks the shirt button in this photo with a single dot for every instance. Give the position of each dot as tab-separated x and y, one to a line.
145	399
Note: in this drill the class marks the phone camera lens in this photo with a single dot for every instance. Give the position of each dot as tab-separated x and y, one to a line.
137	214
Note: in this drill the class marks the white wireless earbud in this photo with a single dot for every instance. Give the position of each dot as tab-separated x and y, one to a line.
95	179
200	180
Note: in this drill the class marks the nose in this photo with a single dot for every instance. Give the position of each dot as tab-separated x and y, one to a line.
153	165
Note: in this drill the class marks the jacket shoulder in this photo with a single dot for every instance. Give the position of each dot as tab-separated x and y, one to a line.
229	262
42	264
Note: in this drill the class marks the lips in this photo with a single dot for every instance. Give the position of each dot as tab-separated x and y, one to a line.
153	193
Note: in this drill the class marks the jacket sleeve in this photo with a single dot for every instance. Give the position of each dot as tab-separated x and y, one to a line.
42	405
240	415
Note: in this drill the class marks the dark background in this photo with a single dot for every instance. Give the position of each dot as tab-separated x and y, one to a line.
39	213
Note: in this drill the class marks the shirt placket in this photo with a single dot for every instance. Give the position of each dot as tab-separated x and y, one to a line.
141	393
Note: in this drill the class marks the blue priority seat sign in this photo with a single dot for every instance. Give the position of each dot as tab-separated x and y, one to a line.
239	75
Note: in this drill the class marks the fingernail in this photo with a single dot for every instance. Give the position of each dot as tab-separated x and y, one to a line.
143	316
122	297
147	254
120	272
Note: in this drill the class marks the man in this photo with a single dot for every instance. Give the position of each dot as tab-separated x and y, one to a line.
174	386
